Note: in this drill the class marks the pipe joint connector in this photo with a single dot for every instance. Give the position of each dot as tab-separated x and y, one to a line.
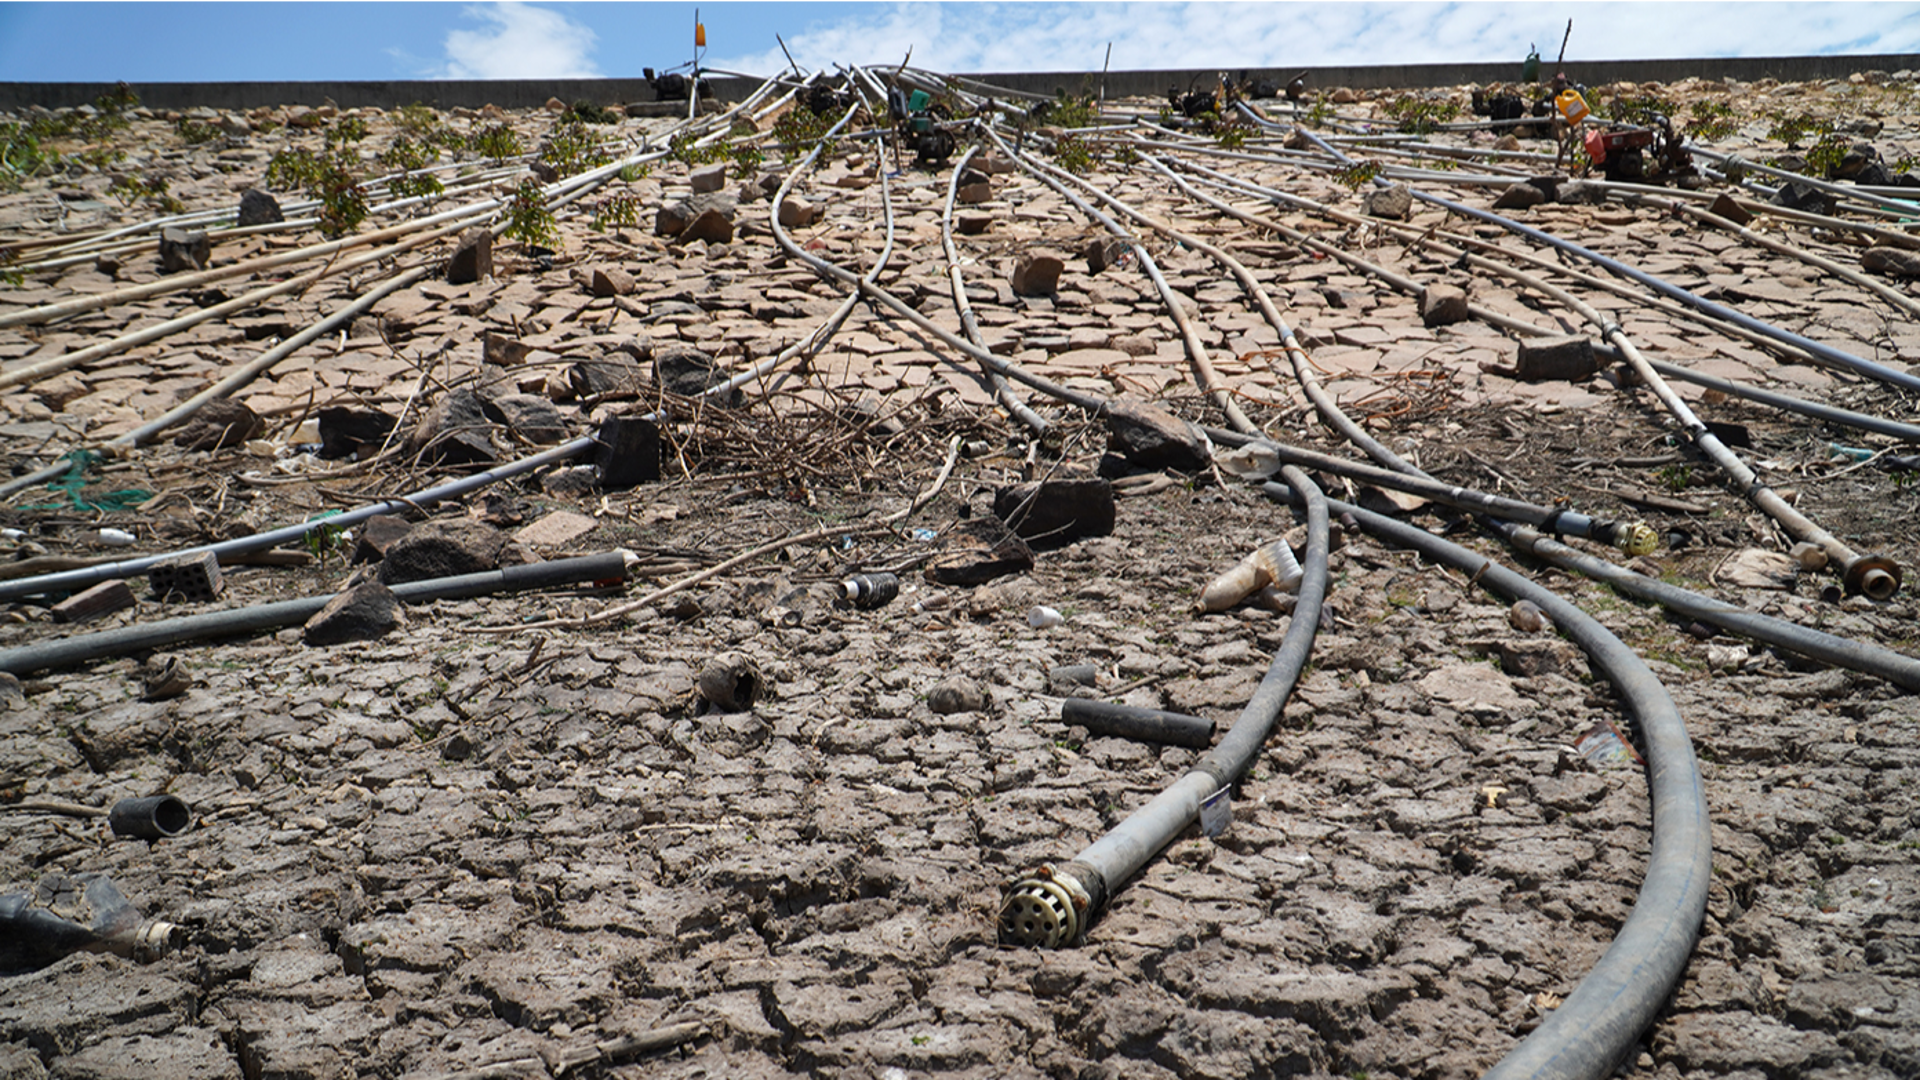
1635	537
1874	576
1046	909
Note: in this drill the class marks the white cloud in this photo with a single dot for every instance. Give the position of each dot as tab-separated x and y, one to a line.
522	42
992	37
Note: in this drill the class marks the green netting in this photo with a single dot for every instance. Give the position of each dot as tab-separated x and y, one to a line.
74	483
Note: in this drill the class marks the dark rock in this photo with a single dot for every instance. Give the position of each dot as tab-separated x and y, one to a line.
221	422
1891	260
1556	359
610	281
503	351
1443	305
690	372
972	224
1105	251
529	416
181	250
711	226
1052	513
708	178
456	431
1798	196
258	208
439	549
627	452
1725	206
973	194
613	373
377	535
1580	193
1520	196
979	552
472	256
1875	174
1857	157
1037	273
350	431
1149	437
956	694
1395	202
675	218
575	482
366	612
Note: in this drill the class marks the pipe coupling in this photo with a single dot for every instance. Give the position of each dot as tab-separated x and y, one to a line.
1875	576
1636	538
1045	910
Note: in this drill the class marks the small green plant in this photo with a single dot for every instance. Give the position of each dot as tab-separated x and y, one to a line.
621	209
1230	136
7	273
327	539
636	171
586	112
798	130
1073	154
1320	111
1071	110
1676	477
529	219
571	149
1358	175
1712	120
133	190
406	158
497	143
1825	156
1125	154
1794	130
327	176
1421	115
347	131
193	132
1630	108
685	148
416	120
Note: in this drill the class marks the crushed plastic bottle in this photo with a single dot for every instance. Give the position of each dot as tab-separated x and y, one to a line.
870	590
79	913
1270	564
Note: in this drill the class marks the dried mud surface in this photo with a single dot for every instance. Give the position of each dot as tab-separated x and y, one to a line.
451	852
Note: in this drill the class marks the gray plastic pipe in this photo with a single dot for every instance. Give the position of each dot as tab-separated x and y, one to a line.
1599	1023
970	325
66	652
1053	906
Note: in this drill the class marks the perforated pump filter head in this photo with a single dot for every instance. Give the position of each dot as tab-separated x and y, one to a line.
1637	539
1040	913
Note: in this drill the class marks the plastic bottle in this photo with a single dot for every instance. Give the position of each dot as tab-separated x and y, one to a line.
871	590
1572	106
81	913
1530	67
1270	564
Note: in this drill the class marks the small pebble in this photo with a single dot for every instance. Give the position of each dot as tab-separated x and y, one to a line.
1526	617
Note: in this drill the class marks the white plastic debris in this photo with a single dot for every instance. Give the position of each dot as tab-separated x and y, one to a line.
116	538
1250	462
1042	617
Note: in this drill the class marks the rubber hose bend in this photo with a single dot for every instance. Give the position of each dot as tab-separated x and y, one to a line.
1604	1016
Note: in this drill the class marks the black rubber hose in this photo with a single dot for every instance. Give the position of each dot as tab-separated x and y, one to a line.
1598	1024
129	639
1053	906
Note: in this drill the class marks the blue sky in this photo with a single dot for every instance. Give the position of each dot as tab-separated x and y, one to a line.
200	42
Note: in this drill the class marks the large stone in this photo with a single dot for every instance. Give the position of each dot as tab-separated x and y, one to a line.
1520	196
1149	437
708	178
1443	305
1892	261
1051	513
529	417
455	431
258	208
437	549
1037	272
366	612
503	351
614	373
797	213
1569	358
221	422
978	552
377	535
610	281
183	250
690	372
711	226
675	218
352	431
1395	202
956	694
472	257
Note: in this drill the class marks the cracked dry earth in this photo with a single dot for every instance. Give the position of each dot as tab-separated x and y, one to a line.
452	853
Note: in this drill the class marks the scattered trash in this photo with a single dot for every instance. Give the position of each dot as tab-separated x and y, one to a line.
1809	555
1074	675
868	591
1271	564
1253	461
1754	568
1042	617
116	538
732	683
1605	748
154	817
1526	617
1493	797
923	535
82	913
162	677
1849	453
1143	725
1216	812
